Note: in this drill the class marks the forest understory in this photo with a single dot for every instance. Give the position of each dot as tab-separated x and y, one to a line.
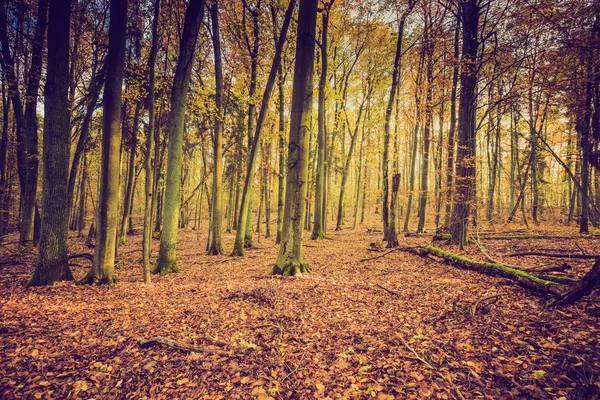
363	324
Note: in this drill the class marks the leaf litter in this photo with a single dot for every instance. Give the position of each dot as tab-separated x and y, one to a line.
398	326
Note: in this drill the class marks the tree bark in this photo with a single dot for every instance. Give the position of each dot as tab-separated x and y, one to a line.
464	195
241	237
216	247
52	264
148	161
107	213
290	260
166	261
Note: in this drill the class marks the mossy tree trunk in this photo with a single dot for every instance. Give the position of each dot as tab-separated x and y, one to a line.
290	260
52	264
241	238
166	261
216	246
107	213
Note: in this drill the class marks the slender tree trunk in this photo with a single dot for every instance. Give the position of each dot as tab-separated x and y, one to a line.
452	130
426	132
346	170
148	161
166	261
281	151
244	222
216	246
25	117
290	260
583	127
318	232
82	197
388	119
128	199
52	265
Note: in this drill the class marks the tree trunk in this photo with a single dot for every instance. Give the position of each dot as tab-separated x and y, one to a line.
148	161
388	119
346	170
290	260
166	261
216	247
128	198
428	43
392	238
464	194
52	264
25	117
241	237
107	213
82	197
452	130
318	232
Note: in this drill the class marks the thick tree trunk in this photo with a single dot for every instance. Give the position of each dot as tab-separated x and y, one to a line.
52	265
241	238
464	194
166	261
290	260
107	213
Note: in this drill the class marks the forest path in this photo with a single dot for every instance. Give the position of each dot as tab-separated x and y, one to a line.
399	326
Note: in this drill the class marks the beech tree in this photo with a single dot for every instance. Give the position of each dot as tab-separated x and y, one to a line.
52	265
107	213
290	260
167	261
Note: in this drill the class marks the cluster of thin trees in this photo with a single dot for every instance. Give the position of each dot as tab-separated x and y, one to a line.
454	108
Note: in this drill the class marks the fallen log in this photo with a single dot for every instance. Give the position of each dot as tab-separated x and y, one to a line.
538	236
521	278
555	255
589	282
144	344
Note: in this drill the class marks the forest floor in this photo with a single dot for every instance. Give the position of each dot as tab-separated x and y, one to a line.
399	326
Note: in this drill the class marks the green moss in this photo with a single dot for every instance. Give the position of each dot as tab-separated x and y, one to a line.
291	269
318	235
